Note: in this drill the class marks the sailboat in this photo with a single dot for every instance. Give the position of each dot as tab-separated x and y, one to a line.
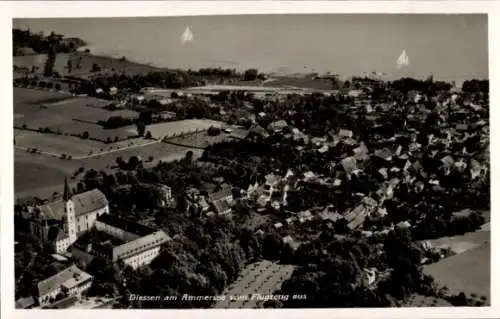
403	60
187	36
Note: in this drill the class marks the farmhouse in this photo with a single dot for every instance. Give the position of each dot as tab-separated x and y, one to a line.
120	240
70	282
60	222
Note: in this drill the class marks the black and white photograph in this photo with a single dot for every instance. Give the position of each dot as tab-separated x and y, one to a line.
251	161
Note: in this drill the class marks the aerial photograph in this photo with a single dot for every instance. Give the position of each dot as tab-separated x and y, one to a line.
251	161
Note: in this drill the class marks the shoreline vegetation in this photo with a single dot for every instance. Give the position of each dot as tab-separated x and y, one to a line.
26	42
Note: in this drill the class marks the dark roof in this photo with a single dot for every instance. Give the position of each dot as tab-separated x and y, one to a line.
126	225
223	193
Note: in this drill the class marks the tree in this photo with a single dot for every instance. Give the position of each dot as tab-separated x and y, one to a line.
148	135
58	87
213	131
251	75
85	135
133	162
189	157
141	128
146	117
95	68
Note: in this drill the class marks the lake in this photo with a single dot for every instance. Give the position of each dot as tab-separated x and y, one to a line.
452	47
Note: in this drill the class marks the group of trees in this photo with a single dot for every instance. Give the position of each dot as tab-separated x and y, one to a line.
26	81
40	43
331	272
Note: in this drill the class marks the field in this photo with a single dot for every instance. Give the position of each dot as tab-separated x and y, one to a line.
40	175
33	172
259	278
57	144
462	243
468	272
171	129
65	113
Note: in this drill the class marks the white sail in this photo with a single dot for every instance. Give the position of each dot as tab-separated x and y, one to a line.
403	60
187	36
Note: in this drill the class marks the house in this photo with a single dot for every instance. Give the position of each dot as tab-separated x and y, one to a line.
361	152
61	222
70	282
165	198
222	200
271	184
345	133
309	175
288	240
383	172
448	164
120	240
323	149
277	126
404	224
349	164
326	215
356	217
383	154
304	216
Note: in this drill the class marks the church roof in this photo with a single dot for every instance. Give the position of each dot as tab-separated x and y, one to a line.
85	203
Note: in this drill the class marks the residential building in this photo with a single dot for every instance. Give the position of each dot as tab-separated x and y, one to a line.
271	184
165	197
277	126
70	282
61	222
222	200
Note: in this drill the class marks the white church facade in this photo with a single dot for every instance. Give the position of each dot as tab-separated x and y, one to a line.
59	223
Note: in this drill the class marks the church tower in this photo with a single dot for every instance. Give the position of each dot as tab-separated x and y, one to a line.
69	208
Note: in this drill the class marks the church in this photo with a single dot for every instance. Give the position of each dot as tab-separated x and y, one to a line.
61	222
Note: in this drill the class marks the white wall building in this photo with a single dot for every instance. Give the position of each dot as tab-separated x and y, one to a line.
60	222
70	282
